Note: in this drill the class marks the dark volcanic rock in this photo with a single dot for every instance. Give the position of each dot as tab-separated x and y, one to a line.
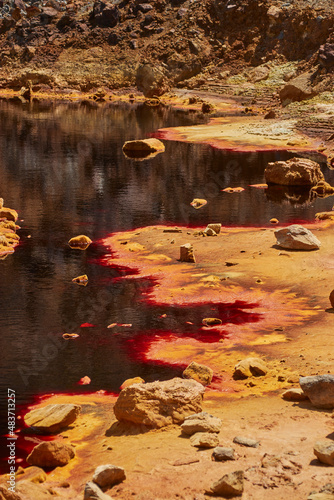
48	14
105	15
326	55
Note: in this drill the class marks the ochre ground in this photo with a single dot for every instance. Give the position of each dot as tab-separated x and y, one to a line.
293	334
244	133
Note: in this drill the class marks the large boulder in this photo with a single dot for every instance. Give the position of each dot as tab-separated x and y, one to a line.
52	418
158	404
293	172
151	80
296	237
201	422
319	389
298	89
51	454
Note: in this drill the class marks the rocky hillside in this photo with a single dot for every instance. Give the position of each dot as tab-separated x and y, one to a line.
74	44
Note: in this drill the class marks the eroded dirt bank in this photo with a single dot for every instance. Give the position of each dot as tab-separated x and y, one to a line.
82	45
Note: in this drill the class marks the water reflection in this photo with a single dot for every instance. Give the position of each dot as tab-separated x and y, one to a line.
293	195
63	169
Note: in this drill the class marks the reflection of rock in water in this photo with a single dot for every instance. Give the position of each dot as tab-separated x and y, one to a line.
140	155
323	189
312	155
295	195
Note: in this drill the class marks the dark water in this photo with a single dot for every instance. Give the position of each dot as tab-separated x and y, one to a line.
62	168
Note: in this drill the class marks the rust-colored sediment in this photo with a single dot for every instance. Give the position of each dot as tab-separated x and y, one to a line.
257	298
244	134
286	293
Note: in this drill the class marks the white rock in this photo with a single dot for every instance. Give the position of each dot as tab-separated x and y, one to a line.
107	475
296	237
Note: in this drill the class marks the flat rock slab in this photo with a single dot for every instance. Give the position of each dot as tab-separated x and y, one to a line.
319	389
201	422
204	440
296	237
321	496
244	441
52	418
158	404
27	490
